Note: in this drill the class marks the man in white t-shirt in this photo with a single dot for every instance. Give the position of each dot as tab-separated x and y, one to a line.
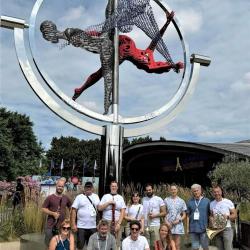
113	208
83	215
135	240
224	207
153	209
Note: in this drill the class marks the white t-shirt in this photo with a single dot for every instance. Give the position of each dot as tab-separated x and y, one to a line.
86	214
152	205
140	244
222	207
119	204
135	210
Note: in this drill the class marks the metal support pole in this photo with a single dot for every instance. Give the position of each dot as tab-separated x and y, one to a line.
112	157
115	94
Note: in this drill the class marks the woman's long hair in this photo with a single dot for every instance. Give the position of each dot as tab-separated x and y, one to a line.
136	193
169	235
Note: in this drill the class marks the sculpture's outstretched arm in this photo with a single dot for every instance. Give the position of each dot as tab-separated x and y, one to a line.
154	42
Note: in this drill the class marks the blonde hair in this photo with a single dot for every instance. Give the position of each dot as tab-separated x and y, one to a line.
65	222
169	235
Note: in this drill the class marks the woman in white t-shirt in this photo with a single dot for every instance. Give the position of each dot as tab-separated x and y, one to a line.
134	211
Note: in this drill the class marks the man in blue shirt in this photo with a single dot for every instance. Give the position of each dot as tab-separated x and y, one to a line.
198	215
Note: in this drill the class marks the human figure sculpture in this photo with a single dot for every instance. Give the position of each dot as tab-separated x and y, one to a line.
142	59
97	39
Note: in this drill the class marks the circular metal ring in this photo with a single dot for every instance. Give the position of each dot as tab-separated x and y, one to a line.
167	108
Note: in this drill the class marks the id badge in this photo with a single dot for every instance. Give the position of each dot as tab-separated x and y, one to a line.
93	213
196	215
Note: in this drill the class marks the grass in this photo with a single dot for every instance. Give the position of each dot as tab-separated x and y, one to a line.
30	219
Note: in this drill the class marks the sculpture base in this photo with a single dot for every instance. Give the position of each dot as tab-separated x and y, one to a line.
32	241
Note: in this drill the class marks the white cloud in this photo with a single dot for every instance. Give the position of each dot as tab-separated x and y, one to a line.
219	108
190	20
91	105
73	14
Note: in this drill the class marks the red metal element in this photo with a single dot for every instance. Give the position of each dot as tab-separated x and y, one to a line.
142	59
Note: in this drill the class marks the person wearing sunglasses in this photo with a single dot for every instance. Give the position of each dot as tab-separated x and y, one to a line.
165	242
135	240
64	240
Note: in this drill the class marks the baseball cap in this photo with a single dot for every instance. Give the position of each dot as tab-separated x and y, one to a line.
88	184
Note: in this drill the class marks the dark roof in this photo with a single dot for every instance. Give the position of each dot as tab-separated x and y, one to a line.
223	148
239	148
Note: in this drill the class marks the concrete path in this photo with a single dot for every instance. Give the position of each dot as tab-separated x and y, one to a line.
13	245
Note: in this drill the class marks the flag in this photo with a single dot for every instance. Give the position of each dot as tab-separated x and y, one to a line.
61	167
40	163
95	165
74	165
52	164
84	166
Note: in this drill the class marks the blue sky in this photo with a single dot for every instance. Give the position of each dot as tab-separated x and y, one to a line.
219	110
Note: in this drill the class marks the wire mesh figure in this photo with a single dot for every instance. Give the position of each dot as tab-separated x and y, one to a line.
97	39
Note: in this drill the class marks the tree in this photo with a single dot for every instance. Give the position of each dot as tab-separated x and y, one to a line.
19	150
233	174
74	152
141	140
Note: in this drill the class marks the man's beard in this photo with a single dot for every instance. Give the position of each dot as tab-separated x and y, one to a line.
59	191
149	195
102	236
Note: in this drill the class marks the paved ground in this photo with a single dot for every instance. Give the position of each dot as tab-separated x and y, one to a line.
14	245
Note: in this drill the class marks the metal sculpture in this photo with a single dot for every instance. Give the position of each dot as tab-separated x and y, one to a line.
121	15
142	59
96	39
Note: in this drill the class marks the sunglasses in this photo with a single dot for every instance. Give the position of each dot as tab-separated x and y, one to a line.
134	228
66	228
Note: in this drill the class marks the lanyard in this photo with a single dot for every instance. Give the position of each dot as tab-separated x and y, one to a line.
197	204
106	243
62	243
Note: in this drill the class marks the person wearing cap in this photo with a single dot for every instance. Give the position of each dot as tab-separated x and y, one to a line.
83	215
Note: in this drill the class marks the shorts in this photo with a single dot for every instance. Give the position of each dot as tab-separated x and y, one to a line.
83	236
199	239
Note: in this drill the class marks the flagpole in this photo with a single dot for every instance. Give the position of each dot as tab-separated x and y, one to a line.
83	168
73	167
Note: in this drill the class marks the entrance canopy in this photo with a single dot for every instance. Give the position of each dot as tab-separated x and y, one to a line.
181	162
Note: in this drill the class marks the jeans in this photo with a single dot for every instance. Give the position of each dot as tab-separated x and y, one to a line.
199	239
83	236
224	240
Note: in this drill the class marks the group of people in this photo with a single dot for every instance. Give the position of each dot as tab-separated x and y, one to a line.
151	223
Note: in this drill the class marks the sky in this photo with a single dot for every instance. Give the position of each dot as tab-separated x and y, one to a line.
219	109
